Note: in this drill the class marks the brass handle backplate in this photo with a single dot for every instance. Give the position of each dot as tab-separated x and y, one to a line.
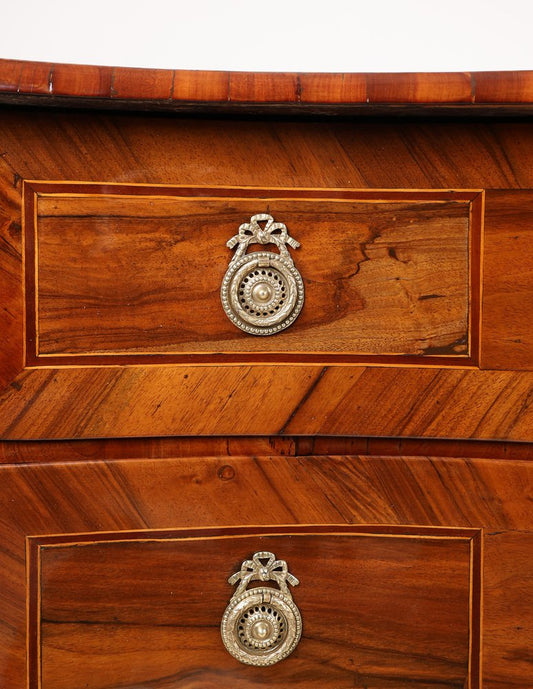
262	625
262	292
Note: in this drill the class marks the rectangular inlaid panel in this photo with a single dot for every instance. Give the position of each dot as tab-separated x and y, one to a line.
144	609
117	273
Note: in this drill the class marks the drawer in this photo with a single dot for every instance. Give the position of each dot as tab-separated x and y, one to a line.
404	568
133	608
412	283
385	274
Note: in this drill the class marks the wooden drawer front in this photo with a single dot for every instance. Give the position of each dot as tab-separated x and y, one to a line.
416	255
129	589
121	271
132	609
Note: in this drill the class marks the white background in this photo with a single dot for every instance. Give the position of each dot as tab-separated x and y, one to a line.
278	35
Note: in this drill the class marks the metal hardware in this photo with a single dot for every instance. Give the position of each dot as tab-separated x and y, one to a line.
262	292
262	625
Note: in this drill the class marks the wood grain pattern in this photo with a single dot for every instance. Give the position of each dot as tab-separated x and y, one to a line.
502	87
262	87
150	83
106	496
406	596
258	400
11	287
35	78
200	86
508	296
94	81
420	88
370	155
325	88
84	81
380	277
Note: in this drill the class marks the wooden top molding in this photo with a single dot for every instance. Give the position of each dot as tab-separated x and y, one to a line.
85	85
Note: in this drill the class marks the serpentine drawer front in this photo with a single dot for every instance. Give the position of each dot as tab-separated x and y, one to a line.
266	373
402	303
123	592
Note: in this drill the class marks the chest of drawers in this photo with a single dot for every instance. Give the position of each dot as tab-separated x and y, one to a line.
379	442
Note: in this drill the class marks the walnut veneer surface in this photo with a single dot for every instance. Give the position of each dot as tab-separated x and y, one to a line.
382	444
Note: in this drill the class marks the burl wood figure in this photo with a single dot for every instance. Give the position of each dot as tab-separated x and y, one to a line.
164	470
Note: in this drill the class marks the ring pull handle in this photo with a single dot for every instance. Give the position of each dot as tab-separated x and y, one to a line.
262	292
262	625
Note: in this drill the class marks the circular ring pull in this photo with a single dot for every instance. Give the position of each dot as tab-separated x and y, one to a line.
262	625
262	292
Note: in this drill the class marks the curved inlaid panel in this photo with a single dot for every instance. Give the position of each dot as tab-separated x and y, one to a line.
145	608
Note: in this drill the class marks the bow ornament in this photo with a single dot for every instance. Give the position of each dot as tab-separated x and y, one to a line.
252	233
263	567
